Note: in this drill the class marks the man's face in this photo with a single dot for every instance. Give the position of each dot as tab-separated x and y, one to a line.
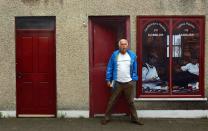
123	46
152	61
194	61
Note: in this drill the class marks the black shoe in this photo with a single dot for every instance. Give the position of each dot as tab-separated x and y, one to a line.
104	122
137	122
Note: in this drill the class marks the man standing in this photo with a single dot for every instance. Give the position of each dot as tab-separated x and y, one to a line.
121	71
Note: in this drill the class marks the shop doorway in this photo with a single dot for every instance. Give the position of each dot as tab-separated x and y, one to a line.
104	34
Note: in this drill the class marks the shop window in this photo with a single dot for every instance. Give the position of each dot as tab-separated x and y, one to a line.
170	55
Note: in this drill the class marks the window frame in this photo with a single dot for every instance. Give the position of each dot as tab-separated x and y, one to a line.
141	21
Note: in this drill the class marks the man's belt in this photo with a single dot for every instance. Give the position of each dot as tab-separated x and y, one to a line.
122	82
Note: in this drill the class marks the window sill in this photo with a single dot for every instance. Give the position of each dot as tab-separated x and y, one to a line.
170	99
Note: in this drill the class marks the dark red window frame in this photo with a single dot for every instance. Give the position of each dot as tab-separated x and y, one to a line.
169	21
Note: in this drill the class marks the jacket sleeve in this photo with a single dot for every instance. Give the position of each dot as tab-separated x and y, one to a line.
109	70
134	70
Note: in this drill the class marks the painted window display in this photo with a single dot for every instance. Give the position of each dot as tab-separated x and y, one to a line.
185	76
171	60
154	76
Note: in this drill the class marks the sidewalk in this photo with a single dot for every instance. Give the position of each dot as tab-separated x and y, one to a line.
93	124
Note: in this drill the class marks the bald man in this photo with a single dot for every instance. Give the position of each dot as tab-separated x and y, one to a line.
121	71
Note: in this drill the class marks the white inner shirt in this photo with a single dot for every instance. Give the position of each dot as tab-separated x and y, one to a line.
123	68
192	68
149	73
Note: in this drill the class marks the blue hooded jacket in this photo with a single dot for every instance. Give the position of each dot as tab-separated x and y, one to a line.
111	72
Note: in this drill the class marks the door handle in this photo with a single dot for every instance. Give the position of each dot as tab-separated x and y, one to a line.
19	75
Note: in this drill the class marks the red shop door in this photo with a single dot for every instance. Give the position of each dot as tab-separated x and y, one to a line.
35	73
104	35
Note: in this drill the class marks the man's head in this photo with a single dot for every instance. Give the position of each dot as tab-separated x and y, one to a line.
153	59
194	59
123	45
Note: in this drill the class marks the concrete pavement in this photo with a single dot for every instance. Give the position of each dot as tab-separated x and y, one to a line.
93	124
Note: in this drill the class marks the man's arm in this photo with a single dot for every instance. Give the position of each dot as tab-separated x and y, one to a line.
151	81
109	71
186	67
154	78
134	70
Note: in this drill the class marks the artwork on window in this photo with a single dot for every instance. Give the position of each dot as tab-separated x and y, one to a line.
171	55
154	74
185	76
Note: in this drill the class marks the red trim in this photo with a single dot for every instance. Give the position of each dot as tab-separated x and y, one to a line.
172	96
139	55
202	55
171	16
90	28
128	30
55	81
15	30
35	29
170	55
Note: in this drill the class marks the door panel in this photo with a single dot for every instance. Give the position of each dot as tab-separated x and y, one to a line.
43	54
104	39
35	72
27	53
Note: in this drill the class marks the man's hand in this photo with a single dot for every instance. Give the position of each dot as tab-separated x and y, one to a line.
153	78
109	84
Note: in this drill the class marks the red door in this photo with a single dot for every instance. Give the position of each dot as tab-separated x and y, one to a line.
104	35
35	73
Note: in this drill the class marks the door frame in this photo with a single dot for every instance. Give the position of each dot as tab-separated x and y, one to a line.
91	19
55	83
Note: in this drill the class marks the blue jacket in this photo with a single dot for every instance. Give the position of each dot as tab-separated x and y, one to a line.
111	72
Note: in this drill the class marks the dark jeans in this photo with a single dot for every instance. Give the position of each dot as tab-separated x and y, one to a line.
184	78
127	88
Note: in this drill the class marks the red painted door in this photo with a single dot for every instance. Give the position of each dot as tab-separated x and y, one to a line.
104	37
35	73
